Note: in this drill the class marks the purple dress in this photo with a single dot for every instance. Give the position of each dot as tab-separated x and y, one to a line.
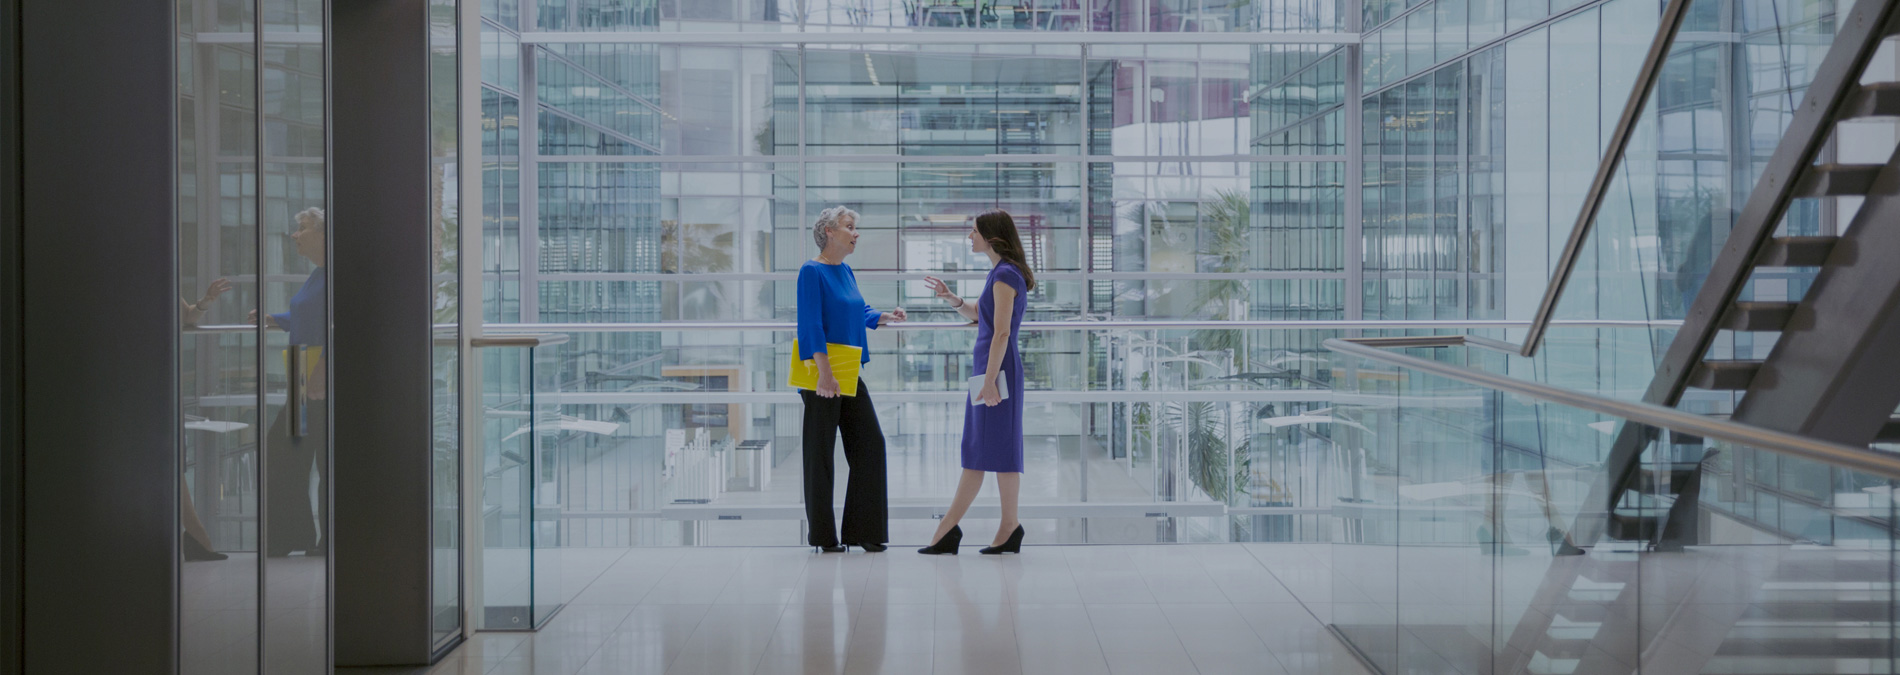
993	436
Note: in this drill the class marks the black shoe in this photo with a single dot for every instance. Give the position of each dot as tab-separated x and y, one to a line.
196	552
947	545
840	548
870	548
1013	545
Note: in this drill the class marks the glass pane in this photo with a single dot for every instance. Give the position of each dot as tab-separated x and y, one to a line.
445	521
295	239
548	561
717	100
1667	210
940	100
218	356
507	486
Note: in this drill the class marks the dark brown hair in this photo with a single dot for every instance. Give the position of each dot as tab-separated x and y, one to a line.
997	228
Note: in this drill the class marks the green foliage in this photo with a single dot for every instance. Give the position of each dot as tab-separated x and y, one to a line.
1211	448
1224	248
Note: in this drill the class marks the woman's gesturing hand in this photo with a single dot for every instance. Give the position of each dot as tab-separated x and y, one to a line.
218	287
990	395
894	316
942	290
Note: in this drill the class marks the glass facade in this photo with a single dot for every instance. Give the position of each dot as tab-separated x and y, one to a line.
1377	164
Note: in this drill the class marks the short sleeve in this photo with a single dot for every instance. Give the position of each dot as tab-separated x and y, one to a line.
1008	274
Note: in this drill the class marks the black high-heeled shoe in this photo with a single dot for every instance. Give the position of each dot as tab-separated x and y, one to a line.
870	548
1013	545
841	548
196	552
947	545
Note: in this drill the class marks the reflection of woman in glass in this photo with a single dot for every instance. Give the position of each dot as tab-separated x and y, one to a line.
832	311
293	452
197	542
992	424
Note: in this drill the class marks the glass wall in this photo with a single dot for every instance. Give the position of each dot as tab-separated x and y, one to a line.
671	182
252	180
639	171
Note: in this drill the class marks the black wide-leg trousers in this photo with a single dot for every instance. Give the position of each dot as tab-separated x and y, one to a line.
866	518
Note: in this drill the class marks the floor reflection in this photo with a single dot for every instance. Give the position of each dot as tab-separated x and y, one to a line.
1054	609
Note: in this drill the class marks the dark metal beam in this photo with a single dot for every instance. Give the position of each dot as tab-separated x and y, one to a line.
99	327
382	292
10	361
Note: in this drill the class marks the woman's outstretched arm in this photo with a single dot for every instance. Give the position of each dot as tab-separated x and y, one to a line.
942	291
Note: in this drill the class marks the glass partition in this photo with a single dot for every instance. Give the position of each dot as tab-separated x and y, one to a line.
219	355
446	350
1721	558
521	563
253	190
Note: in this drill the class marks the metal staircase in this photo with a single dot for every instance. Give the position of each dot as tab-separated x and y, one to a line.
1834	372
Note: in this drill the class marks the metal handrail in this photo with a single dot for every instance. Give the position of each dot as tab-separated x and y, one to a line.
1185	324
1846	456
1672	20
516	329
518	340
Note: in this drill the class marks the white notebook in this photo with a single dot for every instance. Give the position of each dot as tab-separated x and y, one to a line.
976	387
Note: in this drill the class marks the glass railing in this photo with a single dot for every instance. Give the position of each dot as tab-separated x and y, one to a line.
1734	550
1139	432
521	573
1187	16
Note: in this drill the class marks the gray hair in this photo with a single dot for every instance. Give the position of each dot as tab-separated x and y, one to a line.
310	216
827	219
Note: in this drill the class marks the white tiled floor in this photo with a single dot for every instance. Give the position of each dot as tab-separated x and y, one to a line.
1150	610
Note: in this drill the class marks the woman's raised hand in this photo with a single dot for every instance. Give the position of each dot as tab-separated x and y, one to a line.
217	288
943	291
940	288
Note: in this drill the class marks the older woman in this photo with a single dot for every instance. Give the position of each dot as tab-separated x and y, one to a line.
831	311
294	454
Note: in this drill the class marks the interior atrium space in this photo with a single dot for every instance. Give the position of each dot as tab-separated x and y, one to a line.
578	337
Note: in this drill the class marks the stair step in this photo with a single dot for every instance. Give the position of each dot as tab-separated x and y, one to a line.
1889	433
1837	180
1724	375
1796	252
1662	481
1633	527
1880	99
1758	316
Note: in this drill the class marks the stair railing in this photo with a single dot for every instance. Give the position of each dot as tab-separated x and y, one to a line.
1866	460
1672	19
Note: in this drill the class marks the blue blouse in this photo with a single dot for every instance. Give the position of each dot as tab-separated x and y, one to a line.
830	310
306	321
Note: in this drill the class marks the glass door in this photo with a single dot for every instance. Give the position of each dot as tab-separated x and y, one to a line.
254	303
